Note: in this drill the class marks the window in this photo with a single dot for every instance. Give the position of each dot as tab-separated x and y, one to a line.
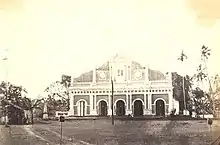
120	72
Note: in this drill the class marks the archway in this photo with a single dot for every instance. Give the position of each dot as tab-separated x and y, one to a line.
102	108
138	108
120	108
160	108
81	108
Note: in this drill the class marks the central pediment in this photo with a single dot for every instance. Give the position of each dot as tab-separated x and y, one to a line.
120	63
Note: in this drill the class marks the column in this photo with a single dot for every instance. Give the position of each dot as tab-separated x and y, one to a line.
170	96
145	105
150	103
128	110
71	111
109	105
145	101
95	109
92	111
131	110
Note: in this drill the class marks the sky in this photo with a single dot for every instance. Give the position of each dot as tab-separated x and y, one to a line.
48	38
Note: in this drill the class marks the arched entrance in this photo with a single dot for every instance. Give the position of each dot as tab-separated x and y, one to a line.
138	108
102	108
81	108
120	108
160	108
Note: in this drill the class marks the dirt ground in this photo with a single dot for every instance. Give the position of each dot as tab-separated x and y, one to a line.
153	132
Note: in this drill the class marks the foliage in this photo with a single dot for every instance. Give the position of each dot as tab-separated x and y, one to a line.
178	88
30	105
66	81
58	95
182	56
216	90
14	94
201	77
202	101
205	53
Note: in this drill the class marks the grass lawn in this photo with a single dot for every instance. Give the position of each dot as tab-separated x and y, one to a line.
132	132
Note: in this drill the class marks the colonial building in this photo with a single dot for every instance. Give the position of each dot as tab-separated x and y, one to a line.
138	90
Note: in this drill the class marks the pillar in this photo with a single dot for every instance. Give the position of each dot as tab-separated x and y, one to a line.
109	105
149	104
128	110
91	104
71	111
45	112
145	104
171	106
94	103
145	101
131	110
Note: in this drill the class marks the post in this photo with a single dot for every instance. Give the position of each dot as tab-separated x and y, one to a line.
62	119
6	93
112	102
61	132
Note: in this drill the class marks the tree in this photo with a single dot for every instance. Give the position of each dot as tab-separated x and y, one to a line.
178	91
201	101
202	73
12	98
182	58
30	105
216	90
66	81
58	95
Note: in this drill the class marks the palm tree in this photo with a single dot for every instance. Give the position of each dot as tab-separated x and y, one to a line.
205	53
182	58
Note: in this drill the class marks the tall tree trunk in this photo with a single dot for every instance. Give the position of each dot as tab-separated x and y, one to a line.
184	95
210	89
32	116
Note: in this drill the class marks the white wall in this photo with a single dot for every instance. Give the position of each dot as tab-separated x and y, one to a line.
176	106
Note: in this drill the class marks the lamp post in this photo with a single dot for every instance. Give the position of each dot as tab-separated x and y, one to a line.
5	58
112	103
112	97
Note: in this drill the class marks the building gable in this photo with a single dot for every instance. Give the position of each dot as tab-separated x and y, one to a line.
105	70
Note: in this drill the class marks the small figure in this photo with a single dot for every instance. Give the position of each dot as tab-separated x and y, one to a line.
209	121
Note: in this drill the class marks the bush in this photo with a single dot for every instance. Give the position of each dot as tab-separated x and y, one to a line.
172	114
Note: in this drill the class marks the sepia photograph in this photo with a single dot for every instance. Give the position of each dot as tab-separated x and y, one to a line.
109	72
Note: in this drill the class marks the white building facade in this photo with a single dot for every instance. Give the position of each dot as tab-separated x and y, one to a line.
137	90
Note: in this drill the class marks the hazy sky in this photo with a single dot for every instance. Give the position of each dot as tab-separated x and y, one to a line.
47	38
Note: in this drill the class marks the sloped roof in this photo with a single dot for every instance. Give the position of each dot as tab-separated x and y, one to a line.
85	77
105	66
152	74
